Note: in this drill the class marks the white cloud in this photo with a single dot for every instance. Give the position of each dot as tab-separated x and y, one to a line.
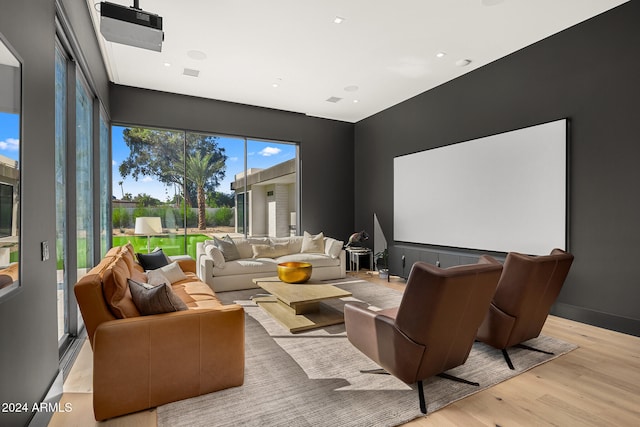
10	144
270	151
114	163
147	179
233	159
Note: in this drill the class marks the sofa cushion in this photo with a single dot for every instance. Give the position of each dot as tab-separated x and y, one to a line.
154	260
295	243
312	243
228	248
316	260
247	266
116	289
269	251
151	299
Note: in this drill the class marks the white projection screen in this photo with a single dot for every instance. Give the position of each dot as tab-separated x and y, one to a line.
502	193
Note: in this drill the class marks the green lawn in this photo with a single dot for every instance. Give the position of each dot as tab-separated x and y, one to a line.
170	245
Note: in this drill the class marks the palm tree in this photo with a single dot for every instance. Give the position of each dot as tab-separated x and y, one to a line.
121	188
200	168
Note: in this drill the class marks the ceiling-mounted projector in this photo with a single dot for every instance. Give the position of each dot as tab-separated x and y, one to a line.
131	26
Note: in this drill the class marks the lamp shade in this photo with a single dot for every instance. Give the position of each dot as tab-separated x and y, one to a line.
148	225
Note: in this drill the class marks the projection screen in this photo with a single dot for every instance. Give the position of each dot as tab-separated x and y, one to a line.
502	193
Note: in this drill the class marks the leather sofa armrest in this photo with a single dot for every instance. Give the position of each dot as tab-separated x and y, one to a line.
146	361
187	265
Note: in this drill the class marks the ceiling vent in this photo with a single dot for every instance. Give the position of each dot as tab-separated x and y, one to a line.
191	72
334	99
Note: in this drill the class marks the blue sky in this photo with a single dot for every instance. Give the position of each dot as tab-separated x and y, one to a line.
9	135
259	155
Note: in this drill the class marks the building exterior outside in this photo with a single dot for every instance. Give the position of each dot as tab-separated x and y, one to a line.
266	199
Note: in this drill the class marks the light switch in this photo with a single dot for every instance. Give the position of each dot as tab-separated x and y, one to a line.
44	250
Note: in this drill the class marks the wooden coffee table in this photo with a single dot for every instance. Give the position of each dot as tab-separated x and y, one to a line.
299	307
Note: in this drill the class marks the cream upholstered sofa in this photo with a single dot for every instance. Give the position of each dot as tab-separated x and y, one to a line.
259	257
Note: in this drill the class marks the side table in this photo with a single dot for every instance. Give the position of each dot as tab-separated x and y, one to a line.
354	255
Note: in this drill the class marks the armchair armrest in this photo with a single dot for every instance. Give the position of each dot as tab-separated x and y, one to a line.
147	361
376	336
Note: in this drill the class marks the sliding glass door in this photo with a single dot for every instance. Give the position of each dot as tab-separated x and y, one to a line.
61	190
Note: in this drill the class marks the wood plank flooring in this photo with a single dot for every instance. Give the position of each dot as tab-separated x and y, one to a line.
597	384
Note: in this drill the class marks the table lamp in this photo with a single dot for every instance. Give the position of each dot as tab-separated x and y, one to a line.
148	226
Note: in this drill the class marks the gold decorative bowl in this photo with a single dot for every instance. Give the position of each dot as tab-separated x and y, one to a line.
294	272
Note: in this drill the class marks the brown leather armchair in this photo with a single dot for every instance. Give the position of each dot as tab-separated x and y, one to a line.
528	287
434	327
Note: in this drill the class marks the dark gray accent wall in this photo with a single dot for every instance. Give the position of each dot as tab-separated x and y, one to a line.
28	318
28	332
326	146
84	36
588	73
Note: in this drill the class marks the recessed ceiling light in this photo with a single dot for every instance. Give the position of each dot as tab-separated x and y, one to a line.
167	64
338	20
334	99
441	54
275	85
355	101
463	62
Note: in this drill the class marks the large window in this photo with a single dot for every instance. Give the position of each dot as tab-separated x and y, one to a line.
61	189
105	196
84	177
199	185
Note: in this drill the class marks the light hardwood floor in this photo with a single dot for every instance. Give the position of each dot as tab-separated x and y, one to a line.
598	384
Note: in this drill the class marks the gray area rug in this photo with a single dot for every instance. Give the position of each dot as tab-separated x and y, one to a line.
313	378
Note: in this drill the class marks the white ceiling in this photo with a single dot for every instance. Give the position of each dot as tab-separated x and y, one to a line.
385	49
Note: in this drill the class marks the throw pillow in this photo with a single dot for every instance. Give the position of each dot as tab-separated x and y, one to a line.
333	247
156	278
214	252
268	251
155	259
155	299
172	272
228	248
313	244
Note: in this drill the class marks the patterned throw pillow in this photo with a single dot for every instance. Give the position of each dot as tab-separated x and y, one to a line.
155	299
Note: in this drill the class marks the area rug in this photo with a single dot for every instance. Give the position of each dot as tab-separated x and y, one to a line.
313	378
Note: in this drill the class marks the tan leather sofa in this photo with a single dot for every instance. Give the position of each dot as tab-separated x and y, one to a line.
141	362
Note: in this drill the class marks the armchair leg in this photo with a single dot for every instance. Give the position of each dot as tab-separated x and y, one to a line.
378	371
423	404
507	359
526	347
458	379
